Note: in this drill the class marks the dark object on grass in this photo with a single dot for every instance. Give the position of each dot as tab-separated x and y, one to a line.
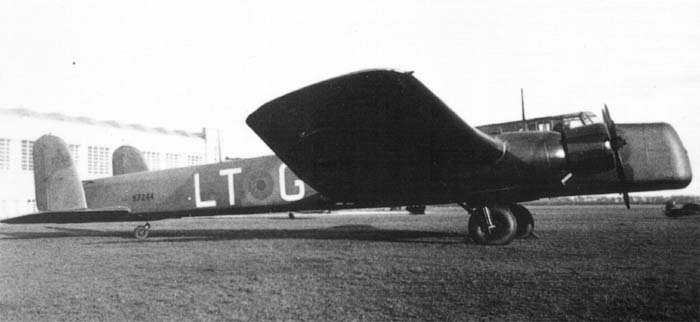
416	209
689	209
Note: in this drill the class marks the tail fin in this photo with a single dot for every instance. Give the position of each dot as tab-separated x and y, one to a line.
127	159
56	181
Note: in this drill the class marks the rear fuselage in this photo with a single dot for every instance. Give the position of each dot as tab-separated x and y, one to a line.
237	186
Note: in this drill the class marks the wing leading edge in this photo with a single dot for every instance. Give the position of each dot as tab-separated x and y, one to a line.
371	136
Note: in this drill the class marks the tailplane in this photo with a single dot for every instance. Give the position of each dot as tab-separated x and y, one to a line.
56	181
127	159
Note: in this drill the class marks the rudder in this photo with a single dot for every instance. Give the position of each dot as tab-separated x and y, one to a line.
56	181
127	159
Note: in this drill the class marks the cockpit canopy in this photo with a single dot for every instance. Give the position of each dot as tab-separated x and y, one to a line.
549	123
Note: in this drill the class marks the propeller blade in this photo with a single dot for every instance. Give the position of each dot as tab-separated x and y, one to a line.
616	143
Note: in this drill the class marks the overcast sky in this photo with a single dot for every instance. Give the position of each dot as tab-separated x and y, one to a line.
185	65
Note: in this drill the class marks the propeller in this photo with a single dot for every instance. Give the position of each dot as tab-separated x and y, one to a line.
616	142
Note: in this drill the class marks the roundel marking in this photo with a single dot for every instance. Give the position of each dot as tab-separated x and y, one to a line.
260	184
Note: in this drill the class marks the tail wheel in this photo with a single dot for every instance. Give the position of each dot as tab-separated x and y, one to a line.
141	232
523	217
503	228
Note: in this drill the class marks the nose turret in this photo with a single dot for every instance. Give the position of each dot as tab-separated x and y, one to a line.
653	157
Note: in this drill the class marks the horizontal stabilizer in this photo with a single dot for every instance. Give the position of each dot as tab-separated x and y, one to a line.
372	135
75	216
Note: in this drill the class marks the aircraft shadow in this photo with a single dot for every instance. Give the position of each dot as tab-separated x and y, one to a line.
62	232
344	232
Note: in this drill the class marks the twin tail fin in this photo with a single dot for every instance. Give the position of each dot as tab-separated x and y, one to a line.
56	180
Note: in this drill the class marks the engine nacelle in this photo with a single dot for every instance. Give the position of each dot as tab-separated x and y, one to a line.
588	149
584	149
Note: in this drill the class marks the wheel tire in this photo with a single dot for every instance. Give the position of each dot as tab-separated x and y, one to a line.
141	233
524	220
504	232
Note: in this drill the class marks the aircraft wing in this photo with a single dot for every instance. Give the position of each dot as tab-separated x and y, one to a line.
75	216
371	136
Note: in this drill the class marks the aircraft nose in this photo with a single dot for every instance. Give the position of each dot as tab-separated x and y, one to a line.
654	157
679	164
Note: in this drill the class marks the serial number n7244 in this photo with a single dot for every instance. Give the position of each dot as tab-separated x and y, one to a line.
142	197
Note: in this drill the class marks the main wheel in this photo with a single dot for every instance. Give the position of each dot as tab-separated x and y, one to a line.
524	220
502	234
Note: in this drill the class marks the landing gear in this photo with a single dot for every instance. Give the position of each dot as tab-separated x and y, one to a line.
493	225
523	217
141	231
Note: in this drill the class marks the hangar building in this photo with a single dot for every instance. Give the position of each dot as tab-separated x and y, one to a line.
91	143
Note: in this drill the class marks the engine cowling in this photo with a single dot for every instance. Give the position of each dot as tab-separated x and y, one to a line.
584	149
587	149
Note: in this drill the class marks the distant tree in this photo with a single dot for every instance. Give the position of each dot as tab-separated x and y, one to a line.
612	199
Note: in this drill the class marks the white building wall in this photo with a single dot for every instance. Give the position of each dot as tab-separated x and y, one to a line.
17	185
213	145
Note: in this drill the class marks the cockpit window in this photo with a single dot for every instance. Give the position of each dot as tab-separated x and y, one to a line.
589	118
573	122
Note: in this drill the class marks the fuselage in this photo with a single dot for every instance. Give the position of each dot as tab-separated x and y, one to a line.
653	158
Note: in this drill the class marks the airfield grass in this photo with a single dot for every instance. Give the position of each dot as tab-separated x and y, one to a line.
591	263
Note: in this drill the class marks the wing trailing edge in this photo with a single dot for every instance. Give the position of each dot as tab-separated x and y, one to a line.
372	135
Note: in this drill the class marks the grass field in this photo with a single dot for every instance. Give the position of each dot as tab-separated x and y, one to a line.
591	263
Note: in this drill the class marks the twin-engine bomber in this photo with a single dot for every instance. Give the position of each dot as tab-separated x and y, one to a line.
375	138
